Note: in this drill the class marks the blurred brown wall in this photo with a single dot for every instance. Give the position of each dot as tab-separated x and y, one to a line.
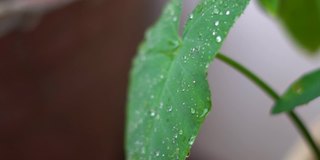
63	84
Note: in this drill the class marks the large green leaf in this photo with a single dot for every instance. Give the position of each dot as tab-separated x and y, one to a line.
169	95
301	92
302	19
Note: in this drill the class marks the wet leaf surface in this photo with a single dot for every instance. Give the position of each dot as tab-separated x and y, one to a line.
169	95
302	20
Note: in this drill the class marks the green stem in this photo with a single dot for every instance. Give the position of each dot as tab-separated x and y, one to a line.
299	124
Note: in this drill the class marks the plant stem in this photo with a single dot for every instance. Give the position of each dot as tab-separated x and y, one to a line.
299	124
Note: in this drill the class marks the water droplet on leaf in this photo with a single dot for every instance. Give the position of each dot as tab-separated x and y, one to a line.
193	111
191	140
218	39
191	16
217	23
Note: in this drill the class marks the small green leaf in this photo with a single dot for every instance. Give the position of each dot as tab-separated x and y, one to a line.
304	90
169	95
302	19
271	6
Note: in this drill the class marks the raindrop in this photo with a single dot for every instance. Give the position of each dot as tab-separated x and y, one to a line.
191	140
298	89
228	13
218	39
214	33
193	111
207	66
181	132
152	113
158	117
191	16
170	109
217	23
172	12
188	155
175	19
193	82
205	111
200	35
215	11
161	105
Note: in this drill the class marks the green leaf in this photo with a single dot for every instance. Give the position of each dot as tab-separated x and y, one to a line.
271	6
301	92
169	95
302	19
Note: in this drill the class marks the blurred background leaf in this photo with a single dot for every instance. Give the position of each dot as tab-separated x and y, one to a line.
270	6
302	20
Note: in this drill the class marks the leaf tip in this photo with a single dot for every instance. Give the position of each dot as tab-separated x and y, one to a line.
278	108
276	111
